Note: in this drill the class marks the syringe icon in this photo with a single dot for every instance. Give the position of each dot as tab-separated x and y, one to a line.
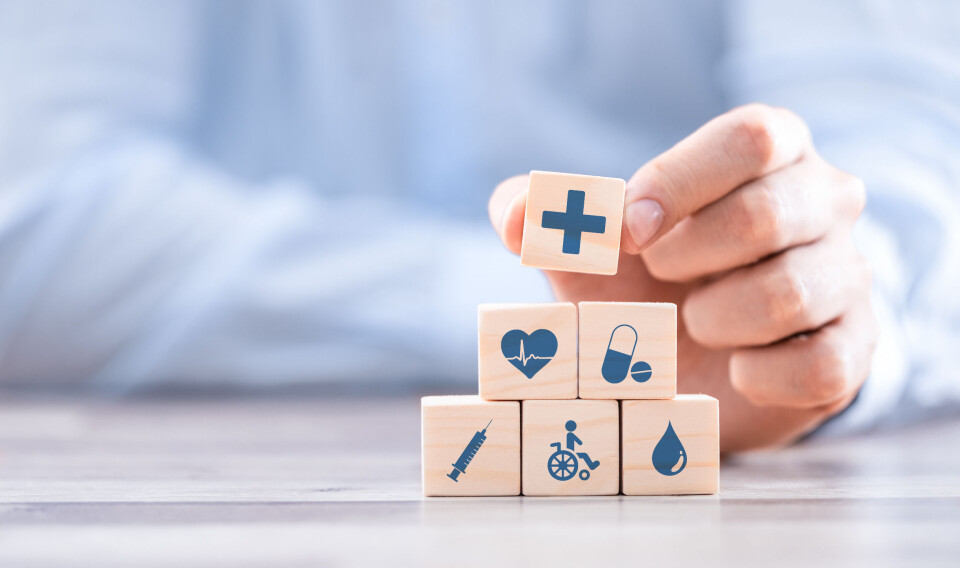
463	461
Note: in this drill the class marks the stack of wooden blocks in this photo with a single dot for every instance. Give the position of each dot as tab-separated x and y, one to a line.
574	399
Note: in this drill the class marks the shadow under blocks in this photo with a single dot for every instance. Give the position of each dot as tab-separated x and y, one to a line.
573	399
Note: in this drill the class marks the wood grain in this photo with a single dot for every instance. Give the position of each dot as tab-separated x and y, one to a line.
597	425
313	479
695	419
543	248
655	326
499	379
448	425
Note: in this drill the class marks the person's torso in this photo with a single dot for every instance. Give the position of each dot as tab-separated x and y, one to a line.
437	101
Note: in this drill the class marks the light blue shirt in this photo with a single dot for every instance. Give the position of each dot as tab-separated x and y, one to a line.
289	192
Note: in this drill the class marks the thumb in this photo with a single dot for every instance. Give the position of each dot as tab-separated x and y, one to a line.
744	144
506	208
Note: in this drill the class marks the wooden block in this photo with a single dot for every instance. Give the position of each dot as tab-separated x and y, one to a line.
628	350
470	446
528	351
573	223
551	428
671	447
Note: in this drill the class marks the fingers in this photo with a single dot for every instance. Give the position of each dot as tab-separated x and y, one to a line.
746	426
790	207
796	291
730	150
821	370
506	208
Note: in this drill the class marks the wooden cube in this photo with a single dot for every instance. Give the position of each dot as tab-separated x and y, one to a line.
527	351
571	447
470	446
671	447
573	222
628	350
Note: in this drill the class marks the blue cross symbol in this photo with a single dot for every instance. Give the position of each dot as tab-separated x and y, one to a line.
573	222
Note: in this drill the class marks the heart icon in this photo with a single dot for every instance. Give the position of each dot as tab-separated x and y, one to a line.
529	353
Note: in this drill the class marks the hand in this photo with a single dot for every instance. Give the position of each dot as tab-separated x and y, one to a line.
748	231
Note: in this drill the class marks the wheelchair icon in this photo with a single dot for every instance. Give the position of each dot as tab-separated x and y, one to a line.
564	464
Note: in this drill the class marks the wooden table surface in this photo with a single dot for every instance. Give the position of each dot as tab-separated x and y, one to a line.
327	482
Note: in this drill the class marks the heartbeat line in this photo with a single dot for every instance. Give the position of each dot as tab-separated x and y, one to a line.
524	359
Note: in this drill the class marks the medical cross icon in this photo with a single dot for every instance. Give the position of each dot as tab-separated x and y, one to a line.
573	222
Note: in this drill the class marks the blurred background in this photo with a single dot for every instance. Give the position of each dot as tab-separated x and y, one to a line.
263	195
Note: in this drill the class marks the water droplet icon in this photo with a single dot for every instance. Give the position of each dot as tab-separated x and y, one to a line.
669	457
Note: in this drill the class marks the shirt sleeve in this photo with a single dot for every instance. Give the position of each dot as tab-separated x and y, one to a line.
130	258
879	85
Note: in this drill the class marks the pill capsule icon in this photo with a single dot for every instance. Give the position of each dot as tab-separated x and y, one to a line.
616	362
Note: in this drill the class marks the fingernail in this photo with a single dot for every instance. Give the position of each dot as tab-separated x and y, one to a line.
644	218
